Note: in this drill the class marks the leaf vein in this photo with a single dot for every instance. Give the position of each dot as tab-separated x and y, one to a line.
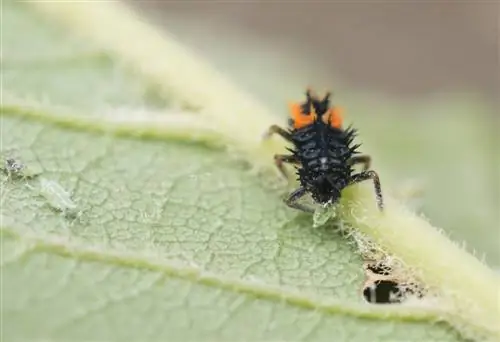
69	249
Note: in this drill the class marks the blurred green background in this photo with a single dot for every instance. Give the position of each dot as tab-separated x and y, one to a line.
419	80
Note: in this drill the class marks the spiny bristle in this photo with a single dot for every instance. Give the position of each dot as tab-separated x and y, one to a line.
354	148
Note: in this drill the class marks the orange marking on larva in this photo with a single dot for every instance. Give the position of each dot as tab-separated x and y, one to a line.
336	117
300	119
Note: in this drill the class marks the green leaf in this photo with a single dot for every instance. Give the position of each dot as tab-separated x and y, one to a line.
170	239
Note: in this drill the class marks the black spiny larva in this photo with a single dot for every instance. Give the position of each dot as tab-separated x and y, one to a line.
323	153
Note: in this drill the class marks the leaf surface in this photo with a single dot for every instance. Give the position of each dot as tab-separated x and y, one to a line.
175	241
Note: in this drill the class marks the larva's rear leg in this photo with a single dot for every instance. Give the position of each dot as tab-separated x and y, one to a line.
360	177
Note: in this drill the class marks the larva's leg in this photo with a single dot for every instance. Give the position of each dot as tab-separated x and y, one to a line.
292	200
360	177
279	159
363	159
275	129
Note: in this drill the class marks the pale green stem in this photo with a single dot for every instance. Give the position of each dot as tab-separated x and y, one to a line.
470	288
176	71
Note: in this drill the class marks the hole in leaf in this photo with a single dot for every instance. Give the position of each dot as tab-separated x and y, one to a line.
383	292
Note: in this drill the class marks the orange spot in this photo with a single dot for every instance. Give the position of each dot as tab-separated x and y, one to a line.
335	115
300	119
